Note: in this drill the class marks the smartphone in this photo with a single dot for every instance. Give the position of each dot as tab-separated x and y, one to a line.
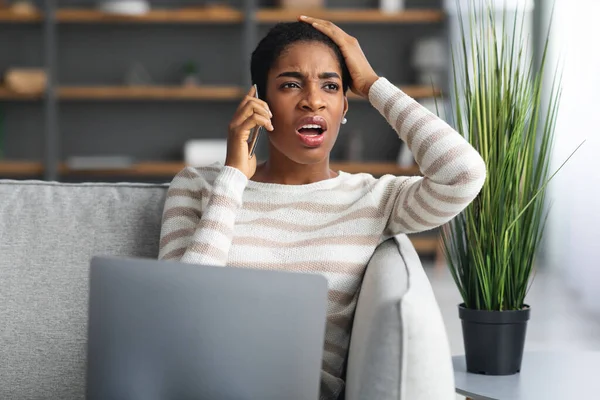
254	135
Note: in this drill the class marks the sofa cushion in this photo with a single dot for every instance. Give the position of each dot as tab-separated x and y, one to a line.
48	233
399	348
376	342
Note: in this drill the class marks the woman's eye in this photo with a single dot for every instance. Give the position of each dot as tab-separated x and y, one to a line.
289	85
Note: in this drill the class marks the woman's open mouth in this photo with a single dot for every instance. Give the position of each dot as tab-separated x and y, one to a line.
311	131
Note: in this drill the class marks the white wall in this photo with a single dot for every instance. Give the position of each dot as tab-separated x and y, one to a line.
573	234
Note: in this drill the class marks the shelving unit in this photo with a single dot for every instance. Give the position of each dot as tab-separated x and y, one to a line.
248	20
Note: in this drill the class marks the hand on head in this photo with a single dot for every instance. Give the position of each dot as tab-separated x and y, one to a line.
361	72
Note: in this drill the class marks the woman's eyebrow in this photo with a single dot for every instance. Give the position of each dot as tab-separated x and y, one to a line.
292	74
301	76
329	75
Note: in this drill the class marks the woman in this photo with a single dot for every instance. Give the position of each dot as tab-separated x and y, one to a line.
293	212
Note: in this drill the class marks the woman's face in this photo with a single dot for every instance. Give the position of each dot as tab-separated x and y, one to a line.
305	95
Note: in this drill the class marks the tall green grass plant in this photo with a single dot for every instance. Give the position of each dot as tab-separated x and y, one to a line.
498	106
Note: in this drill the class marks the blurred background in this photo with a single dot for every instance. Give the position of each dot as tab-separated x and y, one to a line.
132	90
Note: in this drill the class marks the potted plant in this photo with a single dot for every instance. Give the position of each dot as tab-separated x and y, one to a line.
491	246
191	74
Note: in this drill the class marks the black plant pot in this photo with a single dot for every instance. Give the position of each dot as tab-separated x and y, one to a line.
494	340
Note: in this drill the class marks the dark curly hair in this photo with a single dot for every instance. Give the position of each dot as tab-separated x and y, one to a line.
277	40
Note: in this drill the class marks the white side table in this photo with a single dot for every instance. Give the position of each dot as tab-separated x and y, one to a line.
543	376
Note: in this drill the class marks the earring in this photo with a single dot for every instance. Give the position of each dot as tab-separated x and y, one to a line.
344	120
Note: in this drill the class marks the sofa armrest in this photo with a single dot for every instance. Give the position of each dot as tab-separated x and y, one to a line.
399	349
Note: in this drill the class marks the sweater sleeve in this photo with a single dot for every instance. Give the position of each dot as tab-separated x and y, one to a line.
453	171
192	235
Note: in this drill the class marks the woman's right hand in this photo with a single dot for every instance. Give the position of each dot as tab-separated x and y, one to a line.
251	112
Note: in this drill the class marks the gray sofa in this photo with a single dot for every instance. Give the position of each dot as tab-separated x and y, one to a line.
49	231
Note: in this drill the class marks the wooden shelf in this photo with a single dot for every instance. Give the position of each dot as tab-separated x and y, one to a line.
170	169
274	15
107	93
12	17
190	15
6	94
414	91
229	15
150	93
426	244
179	93
21	168
143	169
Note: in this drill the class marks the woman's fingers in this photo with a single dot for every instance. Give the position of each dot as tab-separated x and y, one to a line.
250	98
252	122
256	103
336	33
249	109
321	22
254	108
252	91
251	112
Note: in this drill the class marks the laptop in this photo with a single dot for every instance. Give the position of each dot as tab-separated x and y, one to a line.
161	330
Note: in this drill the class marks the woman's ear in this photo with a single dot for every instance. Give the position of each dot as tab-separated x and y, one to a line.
345	106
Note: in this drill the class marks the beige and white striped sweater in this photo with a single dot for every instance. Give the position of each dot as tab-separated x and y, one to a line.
216	216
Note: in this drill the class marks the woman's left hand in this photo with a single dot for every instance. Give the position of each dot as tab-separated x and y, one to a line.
361	72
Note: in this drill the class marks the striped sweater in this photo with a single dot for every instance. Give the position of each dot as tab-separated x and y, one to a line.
216	216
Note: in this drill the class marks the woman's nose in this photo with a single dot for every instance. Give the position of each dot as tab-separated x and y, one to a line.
312	99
